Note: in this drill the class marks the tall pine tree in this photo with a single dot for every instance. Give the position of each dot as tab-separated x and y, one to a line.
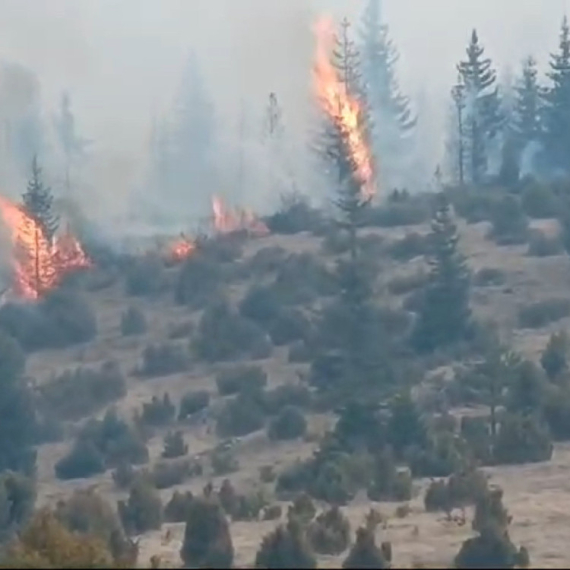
38	201
527	106
483	116
444	316
391	118
556	136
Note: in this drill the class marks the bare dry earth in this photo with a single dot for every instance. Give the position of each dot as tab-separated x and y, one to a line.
538	496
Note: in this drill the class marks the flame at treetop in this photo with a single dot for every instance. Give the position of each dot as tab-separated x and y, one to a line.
341	107
38	265
181	249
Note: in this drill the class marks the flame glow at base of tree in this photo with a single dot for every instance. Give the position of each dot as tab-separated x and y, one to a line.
343	109
38	266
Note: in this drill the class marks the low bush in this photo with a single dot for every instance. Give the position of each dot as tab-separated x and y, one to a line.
177	509
164	359
240	416
199	282
302	508
461	489
193	402
17	499
489	277
224	462
294	215
398	214
145	276
83	391
544	312
166	474
329	533
272	513
289	424
290	326
409	247
240	379
365	554
224	335
404	284
158	412
265	261
174	445
509	225
541	245
142	511
287	395
133	322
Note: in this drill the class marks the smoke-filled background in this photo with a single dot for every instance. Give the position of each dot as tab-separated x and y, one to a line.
138	71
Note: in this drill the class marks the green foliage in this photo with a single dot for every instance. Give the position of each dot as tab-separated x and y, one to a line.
224	461
542	313
124	475
406	426
17	498
100	445
509	225
38	202
158	412
290	326
539	201
411	246
489	277
199	282
364	552
174	445
87	513
407	213
177	509
224	335
329	533
78	393
302	508
142	511
193	402
556	414
294	215
289	424
460	489
554	359
285	547
522	439
164	359
207	540
388	483
241	379
18	428
272	512
133	322
541	245
240	416
145	276
166	474
404	284
444	316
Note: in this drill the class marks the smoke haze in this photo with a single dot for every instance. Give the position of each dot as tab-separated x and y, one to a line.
122	62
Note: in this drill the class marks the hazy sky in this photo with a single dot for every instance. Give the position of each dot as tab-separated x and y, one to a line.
122	59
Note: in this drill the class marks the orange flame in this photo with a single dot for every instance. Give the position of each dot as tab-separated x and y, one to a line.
227	221
181	249
341	107
38	265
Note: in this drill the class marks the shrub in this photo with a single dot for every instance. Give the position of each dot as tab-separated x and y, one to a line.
365	554
261	304
539	202
509	225
489	277
46	543
556	414
272	513
400	214
302	508
174	445
166	474
124	475
544	312
266	260
224	335
540	245
522	440
158	412
285	547
267	474
181	330
87	513
164	359
554	359
224	462
177	509
289	326
17	498
289	424
83	391
404	284
199	282
207	539
145	276
133	322
413	245
461	489
193	402
300	351
248	507
240	379
295	215
240	416
143	509
84	460
329	533
388	483
287	395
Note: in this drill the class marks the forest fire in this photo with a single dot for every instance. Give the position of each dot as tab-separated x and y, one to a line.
181	249
227	221
38	266
343	109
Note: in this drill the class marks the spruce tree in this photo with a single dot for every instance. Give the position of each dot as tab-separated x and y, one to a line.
391	118
483	120
38	201
556	98
444	316
527	106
